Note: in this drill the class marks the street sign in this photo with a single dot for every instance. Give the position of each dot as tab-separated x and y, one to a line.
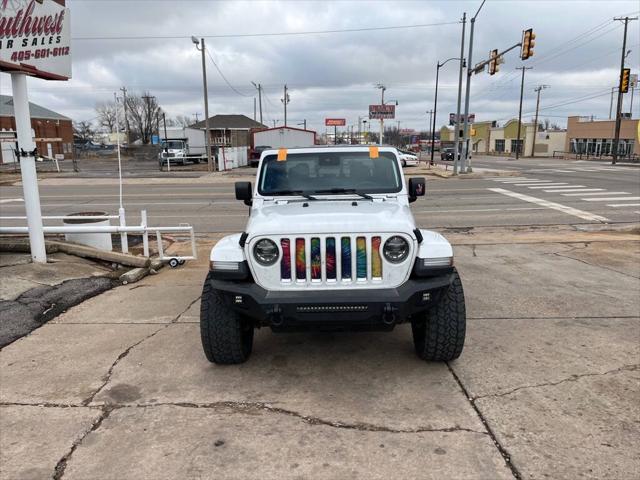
633	80
335	122
452	118
35	38
382	112
407	131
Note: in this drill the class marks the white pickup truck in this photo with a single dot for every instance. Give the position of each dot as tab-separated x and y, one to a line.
331	244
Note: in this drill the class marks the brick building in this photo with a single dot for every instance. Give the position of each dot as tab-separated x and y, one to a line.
595	137
52	132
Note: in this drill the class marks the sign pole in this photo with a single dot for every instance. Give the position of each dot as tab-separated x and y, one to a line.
26	155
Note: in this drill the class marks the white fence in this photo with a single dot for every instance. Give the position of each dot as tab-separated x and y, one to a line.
232	157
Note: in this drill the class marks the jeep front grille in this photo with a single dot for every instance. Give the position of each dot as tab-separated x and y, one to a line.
317	260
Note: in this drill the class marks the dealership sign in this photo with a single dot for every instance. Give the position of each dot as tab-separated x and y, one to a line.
382	112
452	118
335	122
35	38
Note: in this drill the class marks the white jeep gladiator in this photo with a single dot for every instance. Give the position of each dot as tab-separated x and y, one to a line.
331	244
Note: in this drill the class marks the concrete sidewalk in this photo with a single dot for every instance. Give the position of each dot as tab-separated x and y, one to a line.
547	386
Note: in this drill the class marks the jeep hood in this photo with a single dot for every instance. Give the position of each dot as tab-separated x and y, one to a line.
327	216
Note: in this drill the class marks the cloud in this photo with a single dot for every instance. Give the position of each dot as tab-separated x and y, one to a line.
577	54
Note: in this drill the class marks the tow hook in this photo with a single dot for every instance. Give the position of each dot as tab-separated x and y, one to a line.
275	316
389	314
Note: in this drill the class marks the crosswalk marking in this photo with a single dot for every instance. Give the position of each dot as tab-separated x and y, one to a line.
599	193
574	189
611	199
554	206
547	185
10	200
617	205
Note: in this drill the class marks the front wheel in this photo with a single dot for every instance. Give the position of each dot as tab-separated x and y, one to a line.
439	335
227	337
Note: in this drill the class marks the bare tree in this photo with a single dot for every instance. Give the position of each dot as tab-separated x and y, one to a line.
179	121
143	113
107	116
83	131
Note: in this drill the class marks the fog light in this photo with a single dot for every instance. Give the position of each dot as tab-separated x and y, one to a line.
226	266
437	262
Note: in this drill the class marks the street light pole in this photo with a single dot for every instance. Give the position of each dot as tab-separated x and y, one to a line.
259	88
465	133
201	46
435	105
456	153
382	89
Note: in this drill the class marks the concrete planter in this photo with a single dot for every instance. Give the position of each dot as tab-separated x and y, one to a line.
101	241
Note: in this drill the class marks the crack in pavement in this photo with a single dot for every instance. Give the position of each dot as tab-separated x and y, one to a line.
252	407
506	456
565	254
107	377
572	378
61	466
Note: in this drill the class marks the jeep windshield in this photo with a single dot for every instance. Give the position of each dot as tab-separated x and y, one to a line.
330	173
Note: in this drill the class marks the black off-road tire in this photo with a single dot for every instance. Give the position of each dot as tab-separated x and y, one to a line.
439	335
227	337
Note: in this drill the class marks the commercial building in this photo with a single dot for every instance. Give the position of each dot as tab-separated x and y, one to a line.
595	137
52	132
284	137
230	130
487	138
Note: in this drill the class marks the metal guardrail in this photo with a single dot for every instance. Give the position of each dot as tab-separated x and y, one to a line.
122	229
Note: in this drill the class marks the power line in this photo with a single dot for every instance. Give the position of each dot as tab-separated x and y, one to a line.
270	34
225	78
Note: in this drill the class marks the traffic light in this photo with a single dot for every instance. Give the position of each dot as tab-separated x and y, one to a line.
528	42
624	80
493	62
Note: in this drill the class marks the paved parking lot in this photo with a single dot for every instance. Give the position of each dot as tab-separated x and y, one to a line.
547	386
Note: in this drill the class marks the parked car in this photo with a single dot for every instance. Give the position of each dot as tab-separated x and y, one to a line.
446	154
256	153
331	244
408	159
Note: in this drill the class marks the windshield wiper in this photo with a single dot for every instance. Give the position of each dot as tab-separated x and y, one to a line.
345	190
294	192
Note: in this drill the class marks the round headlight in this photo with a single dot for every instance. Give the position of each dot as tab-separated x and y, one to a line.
265	252
396	249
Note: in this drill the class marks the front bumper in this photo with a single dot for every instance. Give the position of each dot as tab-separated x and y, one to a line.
333	309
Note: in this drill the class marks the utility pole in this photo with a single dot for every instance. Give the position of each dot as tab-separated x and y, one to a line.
254	109
382	89
207	134
196	115
613	89
456	153
465	134
285	100
616	139
538	89
518	144
126	118
258	87
430	112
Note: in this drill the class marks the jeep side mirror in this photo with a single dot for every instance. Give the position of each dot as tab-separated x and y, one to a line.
244	192
416	188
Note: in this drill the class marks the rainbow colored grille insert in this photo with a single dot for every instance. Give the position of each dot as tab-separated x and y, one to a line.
376	259
330	257
345	257
361	258
301	260
285	264
316	261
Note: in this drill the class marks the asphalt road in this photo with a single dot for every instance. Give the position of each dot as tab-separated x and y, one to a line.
544	192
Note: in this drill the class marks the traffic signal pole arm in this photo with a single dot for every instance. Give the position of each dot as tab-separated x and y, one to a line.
480	66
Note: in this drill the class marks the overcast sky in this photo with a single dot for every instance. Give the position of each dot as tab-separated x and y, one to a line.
577	54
